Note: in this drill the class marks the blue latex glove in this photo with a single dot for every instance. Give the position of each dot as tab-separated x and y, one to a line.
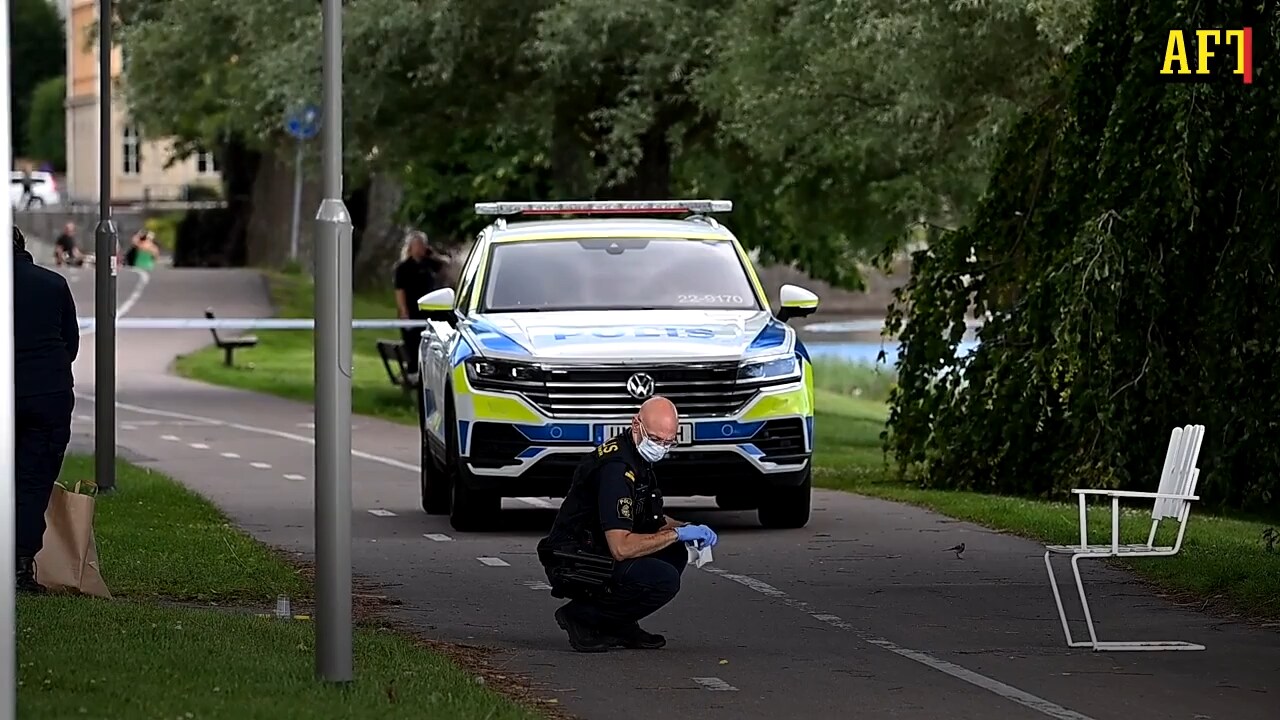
700	534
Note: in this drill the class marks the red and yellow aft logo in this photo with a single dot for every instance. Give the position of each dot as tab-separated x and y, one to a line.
1211	48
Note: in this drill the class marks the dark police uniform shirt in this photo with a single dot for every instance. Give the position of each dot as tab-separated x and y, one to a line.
417	278
614	488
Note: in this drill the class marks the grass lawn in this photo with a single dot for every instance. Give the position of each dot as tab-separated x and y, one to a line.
135	657
1224	561
282	362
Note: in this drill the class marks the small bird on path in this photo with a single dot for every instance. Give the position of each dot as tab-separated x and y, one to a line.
957	550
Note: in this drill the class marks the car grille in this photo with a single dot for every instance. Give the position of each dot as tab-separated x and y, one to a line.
708	390
782	441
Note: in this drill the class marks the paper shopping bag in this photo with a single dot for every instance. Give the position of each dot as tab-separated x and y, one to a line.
69	558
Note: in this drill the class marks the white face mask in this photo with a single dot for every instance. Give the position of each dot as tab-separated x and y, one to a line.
650	450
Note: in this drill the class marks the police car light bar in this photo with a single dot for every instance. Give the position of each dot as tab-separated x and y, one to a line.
593	207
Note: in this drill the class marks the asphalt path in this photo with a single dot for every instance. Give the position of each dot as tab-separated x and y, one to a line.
860	614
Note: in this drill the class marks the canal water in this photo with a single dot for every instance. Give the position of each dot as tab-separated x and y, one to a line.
858	340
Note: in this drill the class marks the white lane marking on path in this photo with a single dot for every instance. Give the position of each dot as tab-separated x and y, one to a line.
213	422
493	562
171	438
261	465
294	476
991	685
535	585
392	462
127	426
994	686
85	418
438	537
381	513
231	455
123	309
199	446
714	683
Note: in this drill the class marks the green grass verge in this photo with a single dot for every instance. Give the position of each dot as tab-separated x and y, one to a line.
1223	559
133	657
282	362
158	539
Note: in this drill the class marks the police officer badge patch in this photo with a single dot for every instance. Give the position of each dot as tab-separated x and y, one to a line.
624	508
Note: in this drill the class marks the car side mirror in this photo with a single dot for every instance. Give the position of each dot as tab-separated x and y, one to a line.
797	302
438	304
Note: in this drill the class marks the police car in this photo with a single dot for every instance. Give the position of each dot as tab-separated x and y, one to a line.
559	328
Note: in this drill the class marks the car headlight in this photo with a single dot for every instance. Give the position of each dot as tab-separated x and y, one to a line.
483	371
771	370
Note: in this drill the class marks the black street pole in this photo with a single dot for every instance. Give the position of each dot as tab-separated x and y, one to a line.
104	311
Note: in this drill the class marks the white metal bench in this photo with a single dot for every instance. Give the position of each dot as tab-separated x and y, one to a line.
1172	501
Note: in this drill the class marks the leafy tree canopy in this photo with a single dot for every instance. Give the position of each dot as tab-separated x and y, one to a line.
1124	263
833	126
37	52
47	123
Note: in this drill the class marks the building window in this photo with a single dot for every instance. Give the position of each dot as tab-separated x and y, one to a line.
206	164
131	156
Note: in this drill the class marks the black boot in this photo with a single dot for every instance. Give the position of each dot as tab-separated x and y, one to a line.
27	576
631	636
581	636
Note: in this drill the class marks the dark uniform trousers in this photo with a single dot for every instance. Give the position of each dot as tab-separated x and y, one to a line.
613	488
641	586
42	434
411	337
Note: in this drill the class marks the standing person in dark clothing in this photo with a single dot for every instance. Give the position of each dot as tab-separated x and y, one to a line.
46	340
417	274
28	194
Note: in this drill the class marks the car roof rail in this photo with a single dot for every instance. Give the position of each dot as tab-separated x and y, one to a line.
705	220
604	207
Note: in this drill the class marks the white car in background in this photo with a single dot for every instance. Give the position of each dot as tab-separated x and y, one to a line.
44	189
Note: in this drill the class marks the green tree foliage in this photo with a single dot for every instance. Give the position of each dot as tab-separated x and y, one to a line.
1125	263
861	118
833	125
37	52
47	123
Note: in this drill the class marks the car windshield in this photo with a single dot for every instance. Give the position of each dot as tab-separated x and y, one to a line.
617	274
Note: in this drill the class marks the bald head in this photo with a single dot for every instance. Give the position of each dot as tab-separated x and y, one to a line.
659	420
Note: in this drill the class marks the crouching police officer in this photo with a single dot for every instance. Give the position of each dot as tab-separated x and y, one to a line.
612	550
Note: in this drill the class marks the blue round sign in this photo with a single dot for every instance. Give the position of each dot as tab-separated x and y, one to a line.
303	123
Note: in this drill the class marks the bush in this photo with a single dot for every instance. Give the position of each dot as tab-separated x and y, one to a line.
200	193
47	123
165	228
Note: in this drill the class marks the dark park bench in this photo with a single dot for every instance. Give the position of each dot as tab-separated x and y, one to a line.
396	363
230	345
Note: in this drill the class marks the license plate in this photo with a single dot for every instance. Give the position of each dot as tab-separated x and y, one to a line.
685	436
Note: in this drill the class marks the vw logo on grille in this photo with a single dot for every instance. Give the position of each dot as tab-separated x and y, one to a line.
640	386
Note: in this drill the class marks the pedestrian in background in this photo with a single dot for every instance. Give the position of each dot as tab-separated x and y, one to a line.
28	188
417	274
46	338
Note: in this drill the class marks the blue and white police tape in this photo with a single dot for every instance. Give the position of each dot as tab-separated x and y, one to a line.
243	324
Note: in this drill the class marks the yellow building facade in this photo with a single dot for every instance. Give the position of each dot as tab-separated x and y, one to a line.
138	169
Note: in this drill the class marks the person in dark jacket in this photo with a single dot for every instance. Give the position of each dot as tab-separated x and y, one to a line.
46	338
417	274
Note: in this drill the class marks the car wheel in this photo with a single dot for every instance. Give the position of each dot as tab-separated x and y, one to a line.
737	501
434	484
469	509
788	506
